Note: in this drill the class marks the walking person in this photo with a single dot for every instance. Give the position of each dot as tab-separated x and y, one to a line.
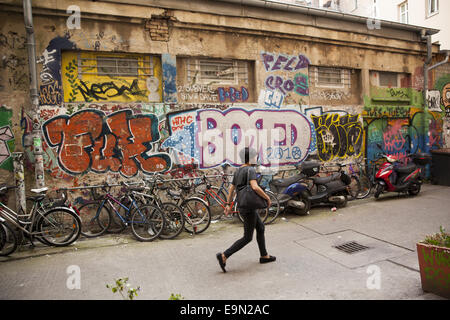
251	217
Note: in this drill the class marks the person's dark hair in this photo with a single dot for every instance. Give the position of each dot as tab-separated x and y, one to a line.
246	154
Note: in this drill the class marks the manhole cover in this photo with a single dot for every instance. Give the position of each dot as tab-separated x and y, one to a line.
351	247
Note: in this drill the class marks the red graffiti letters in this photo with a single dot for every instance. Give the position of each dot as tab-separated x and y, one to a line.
120	142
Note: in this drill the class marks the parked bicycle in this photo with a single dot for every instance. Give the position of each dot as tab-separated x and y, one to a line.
54	226
146	221
196	211
173	214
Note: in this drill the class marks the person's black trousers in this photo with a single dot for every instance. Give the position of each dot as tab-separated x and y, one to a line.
252	221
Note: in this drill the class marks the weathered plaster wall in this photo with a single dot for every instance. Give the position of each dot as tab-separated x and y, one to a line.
110	128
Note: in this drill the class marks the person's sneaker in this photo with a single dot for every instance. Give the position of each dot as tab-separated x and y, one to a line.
267	260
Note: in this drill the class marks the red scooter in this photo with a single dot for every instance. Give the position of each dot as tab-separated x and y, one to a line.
395	177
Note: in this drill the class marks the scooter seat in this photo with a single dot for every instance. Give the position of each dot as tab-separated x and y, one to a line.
323	180
406	169
286	182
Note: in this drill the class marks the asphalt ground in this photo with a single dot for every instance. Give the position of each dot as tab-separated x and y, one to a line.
308	265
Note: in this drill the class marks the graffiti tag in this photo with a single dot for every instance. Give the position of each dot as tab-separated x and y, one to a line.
90	140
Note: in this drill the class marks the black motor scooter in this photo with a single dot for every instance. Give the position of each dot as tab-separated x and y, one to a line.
326	190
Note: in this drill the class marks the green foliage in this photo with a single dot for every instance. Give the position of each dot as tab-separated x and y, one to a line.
124	288
176	297
441	239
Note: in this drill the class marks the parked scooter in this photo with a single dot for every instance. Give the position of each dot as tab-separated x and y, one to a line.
332	189
394	177
292	193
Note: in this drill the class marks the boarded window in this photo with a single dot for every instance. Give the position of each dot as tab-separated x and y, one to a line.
388	79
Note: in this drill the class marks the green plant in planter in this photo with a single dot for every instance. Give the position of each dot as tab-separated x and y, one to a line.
124	288
441	239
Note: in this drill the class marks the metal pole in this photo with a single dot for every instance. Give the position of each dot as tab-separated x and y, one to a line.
21	206
36	133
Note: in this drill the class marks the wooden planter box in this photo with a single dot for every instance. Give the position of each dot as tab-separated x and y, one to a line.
434	263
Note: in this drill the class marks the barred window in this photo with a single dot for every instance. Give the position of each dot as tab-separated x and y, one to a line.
330	77
115	66
209	71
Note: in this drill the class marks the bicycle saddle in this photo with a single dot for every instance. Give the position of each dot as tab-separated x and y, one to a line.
41	190
174	194
324	180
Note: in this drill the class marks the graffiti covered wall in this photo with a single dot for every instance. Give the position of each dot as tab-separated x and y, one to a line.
395	119
116	103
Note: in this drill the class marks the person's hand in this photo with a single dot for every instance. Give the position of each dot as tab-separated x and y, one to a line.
227	210
269	203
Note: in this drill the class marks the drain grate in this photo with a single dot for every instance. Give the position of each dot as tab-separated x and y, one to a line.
351	247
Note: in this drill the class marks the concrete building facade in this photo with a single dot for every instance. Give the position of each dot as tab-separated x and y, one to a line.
130	88
425	13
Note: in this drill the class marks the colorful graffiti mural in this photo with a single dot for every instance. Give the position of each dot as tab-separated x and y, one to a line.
50	92
7	142
90	140
338	136
169	66
280	137
91	77
443	87
394	119
284	78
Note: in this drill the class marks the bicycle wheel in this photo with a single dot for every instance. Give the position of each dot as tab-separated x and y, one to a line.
147	222
215	205
95	219
354	187
274	210
197	215
59	227
365	187
174	220
8	239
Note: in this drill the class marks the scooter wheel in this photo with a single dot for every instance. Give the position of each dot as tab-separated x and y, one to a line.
414	190
378	190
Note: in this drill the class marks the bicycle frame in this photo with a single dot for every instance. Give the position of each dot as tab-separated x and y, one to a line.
109	199
14	217
219	200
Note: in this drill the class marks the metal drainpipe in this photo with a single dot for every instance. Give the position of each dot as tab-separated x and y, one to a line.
425	88
447	54
36	133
